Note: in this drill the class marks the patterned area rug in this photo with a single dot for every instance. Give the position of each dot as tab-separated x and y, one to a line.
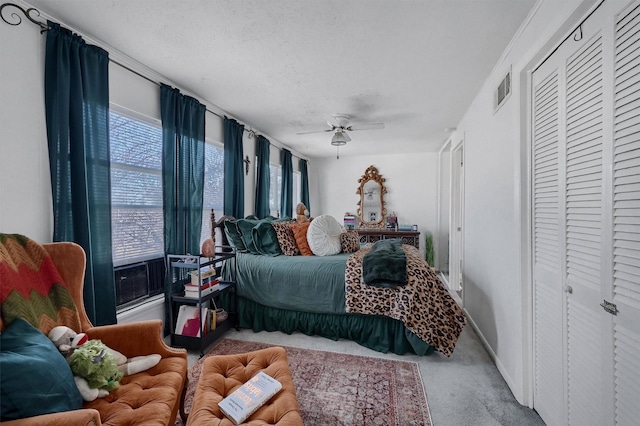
338	389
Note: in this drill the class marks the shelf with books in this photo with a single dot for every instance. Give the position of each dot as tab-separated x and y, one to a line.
195	310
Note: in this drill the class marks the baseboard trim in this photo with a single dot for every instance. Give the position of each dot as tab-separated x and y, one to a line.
503	371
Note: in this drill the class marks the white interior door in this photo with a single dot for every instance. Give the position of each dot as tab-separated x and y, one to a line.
548	246
456	222
588	137
626	217
586	223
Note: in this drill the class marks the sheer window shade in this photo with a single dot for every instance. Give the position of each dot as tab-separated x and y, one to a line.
213	187
136	189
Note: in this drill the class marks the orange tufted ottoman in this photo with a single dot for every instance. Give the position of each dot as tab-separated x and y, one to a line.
222	374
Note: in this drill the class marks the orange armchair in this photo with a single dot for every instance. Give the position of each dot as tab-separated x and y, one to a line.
151	397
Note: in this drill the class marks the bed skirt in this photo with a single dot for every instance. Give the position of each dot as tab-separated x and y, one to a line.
379	333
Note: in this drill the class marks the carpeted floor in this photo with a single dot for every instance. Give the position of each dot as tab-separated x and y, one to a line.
341	389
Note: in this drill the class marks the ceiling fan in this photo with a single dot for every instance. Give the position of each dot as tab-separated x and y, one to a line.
340	124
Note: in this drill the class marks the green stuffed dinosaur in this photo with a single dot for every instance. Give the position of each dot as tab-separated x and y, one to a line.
97	369
95	364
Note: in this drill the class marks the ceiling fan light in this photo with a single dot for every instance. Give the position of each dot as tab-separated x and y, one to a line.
339	139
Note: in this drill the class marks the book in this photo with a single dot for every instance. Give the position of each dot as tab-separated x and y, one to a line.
205	283
191	293
214	319
246	400
349	222
207	273
189	320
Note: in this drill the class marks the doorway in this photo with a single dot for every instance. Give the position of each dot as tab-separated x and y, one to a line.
449	238
457	218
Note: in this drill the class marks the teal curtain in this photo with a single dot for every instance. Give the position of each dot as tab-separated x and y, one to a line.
286	196
182	175
304	184
263	179
233	168
77	115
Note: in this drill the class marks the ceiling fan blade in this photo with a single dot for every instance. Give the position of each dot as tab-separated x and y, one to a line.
314	131
366	126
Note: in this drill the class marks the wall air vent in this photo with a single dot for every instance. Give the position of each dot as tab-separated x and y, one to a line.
503	92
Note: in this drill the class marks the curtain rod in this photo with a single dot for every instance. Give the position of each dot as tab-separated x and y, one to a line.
33	13
576	37
157	83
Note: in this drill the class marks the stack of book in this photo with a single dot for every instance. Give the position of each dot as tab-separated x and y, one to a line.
208	283
349	222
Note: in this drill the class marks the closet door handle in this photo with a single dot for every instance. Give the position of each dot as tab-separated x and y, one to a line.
568	289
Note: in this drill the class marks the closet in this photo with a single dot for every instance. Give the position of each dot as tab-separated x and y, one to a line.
585	162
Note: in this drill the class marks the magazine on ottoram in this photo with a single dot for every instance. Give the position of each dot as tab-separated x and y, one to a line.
246	400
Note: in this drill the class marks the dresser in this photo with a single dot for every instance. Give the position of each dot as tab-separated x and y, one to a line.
371	235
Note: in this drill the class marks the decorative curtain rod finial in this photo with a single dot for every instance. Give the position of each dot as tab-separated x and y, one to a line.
246	164
17	20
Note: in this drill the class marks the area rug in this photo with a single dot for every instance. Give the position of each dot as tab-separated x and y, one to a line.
338	389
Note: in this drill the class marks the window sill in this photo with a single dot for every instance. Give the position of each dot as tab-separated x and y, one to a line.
153	303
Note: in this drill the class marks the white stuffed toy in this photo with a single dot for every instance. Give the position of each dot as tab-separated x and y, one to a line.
67	341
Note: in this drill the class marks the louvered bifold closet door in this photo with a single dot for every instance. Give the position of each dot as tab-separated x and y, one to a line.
584	233
547	271
626	214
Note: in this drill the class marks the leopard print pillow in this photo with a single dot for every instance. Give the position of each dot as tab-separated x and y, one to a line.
350	241
286	238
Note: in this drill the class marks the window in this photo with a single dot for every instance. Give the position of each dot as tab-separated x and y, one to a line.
136	189
136	207
275	189
296	190
213	187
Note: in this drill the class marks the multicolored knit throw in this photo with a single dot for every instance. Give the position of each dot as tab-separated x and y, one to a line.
31	286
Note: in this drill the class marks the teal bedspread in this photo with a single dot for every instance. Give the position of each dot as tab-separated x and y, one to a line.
307	294
299	283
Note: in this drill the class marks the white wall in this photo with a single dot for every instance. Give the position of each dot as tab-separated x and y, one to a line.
25	189
496	288
411	182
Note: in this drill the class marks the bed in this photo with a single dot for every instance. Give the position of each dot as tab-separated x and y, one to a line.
322	295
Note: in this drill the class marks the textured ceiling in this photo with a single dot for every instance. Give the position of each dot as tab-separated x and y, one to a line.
284	66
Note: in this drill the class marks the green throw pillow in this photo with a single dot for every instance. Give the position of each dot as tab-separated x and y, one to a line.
35	378
244	228
233	235
266	239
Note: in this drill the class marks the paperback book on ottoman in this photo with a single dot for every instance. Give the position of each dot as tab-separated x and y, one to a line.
246	400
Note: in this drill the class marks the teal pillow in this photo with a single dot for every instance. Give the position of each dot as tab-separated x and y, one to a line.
233	235
265	239
244	229
35	378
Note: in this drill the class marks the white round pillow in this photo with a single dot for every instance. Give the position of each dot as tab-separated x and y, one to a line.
323	236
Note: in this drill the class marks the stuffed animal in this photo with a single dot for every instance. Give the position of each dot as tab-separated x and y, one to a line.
302	214
97	369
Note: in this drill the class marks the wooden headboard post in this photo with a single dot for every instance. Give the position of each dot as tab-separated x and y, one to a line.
223	236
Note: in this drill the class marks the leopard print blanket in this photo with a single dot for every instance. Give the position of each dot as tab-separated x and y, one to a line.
424	305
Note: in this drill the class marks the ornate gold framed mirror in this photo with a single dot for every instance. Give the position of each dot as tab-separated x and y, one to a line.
372	212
